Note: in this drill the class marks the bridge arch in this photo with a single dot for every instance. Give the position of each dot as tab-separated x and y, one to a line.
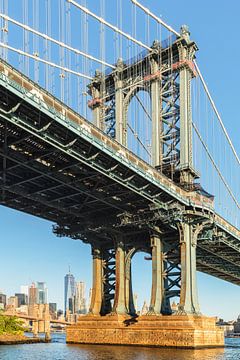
138	287
137	120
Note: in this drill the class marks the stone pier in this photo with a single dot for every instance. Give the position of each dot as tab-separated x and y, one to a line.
112	318
183	331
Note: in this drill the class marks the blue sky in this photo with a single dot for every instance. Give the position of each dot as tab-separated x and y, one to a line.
29	250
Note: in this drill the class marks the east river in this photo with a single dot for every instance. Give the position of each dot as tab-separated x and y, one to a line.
59	350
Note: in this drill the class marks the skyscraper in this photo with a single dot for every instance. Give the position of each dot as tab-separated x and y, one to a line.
32	294
135	301
24	289
42	293
69	293
80	299
3	300
22	299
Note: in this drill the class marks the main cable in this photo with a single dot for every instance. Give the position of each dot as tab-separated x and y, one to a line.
60	43
34	57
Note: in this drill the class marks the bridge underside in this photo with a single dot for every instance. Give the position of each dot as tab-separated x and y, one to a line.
50	172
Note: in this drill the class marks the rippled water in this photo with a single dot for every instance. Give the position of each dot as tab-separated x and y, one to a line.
58	350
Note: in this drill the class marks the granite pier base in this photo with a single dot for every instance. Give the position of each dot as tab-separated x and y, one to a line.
183	331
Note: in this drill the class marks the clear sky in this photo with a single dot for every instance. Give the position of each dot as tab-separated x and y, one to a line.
29	250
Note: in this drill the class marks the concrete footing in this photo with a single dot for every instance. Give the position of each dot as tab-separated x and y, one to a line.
183	331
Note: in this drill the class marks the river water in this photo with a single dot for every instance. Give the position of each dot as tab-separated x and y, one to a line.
59	350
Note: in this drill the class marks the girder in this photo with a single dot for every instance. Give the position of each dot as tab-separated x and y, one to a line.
64	169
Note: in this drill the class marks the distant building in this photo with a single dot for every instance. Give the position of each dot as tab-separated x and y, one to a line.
42	293
60	314
24	289
32	294
22	299
144	310
135	301
53	310
237	325
3	300
69	293
174	307
23	309
89	298
13	301
53	307
227	326
80	299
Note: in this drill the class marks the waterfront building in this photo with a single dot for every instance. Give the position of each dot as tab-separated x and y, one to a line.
237	325
32	294
22	299
42	293
69	293
53	310
227	326
13	302
23	309
3	300
80	299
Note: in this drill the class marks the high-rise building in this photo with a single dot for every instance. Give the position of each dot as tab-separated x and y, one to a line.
69	293
42	293
24	289
3	300
13	301
80	299
135	301
89	298
22	299
53	307
53	310
32	294
144	308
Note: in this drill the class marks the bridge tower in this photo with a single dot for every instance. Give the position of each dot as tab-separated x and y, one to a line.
165	73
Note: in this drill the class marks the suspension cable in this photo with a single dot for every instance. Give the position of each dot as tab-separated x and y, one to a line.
34	57
216	112
160	21
60	43
215	165
147	11
143	107
113	27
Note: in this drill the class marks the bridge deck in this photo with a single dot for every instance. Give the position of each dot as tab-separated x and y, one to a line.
58	166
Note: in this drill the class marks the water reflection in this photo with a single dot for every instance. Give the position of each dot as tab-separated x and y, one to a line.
58	350
99	352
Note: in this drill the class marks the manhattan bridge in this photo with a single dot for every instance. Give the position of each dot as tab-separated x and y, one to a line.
108	130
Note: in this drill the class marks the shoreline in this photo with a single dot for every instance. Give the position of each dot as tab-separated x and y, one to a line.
9	339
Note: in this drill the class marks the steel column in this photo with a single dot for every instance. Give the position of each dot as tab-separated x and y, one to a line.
119	306
128	283
186	54
157	274
155	103
97	290
188	294
121	134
